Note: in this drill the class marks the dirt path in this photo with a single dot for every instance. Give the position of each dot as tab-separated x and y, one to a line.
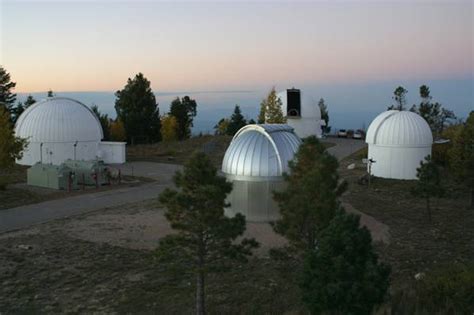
379	231
344	147
24	216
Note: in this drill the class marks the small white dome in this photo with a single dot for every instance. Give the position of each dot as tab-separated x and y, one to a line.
261	151
58	119
399	128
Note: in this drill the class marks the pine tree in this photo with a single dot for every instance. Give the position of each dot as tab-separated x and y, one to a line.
462	155
21	107
399	95
429	182
16	112
435	115
310	200
184	110
324	115
262	113
50	94
104	122
7	97
204	237
136	107
236	122
342	275
11	147
30	100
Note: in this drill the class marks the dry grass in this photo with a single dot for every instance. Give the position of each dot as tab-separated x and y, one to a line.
178	152
416	244
61	273
16	174
328	145
16	195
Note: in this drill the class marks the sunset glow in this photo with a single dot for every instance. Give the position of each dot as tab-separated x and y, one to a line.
94	46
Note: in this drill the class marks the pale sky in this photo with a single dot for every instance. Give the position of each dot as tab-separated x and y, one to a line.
97	45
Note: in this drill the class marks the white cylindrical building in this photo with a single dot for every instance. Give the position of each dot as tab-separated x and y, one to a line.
398	141
254	162
58	129
302	113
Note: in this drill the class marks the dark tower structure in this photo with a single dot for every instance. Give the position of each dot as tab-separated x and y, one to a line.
293	108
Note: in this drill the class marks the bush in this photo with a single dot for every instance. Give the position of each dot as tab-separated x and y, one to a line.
362	153
440	153
3	183
446	290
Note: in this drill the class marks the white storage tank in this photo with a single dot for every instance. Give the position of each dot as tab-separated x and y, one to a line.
254	162
112	152
398	141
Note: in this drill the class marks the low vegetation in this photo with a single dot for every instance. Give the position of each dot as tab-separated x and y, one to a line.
11	148
429	183
19	194
416	245
446	289
178	152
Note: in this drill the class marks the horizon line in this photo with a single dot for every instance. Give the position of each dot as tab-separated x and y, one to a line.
156	93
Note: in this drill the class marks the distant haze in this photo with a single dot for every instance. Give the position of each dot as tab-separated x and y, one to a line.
350	106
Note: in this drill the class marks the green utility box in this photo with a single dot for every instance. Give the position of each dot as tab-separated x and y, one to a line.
89	172
51	176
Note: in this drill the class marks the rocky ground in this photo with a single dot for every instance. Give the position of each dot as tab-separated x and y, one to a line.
416	244
20	194
104	262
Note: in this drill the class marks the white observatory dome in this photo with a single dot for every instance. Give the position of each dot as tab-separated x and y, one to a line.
398	141
260	151
255	161
58	129
58	119
399	128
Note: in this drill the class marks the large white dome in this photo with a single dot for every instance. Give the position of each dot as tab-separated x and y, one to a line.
399	128
58	119
261	151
